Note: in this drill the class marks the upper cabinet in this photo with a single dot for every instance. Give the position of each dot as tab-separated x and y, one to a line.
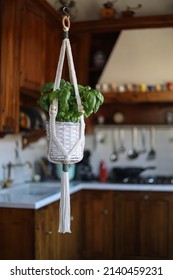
32	47
9	67
28	52
31	35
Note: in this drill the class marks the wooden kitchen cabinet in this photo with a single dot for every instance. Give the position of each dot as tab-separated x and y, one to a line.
143	225
32	47
9	67
53	42
33	234
28	57
16	234
105	225
40	42
46	227
97	225
70	243
49	243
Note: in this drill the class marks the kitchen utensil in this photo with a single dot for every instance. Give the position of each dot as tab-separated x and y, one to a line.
133	153
152	152
114	155
121	140
125	172
143	140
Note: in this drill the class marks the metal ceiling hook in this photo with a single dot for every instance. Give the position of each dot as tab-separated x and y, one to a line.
66	20
65	9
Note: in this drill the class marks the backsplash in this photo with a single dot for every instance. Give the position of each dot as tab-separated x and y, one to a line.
101	146
32	154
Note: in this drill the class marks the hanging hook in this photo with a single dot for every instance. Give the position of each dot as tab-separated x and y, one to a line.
66	20
65	9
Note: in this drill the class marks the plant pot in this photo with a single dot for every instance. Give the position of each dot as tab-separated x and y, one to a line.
68	135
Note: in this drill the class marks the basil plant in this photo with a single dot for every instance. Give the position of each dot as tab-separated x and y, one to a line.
91	100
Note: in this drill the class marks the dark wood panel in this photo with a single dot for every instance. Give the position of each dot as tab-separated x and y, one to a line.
118	24
16	234
142	113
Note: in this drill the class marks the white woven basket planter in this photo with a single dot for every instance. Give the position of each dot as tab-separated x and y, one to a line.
68	134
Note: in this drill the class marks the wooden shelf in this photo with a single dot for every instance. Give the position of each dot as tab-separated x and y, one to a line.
139	97
118	24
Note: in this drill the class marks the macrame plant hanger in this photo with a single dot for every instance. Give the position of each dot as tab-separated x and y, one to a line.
65	140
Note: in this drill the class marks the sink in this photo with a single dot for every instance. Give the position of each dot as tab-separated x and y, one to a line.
33	189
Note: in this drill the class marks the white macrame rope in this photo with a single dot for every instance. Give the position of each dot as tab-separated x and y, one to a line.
64	222
53	110
54	142
60	65
73	75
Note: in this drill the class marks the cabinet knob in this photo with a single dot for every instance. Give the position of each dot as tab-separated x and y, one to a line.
105	211
71	218
146	197
48	232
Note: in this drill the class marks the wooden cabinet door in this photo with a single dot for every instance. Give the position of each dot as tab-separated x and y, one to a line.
33	47
97	225
74	238
9	66
16	234
142	225
46	227
69	244
52	49
49	243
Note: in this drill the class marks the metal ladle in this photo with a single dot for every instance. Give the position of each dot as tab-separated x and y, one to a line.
152	152
143	140
114	156
133	153
121	140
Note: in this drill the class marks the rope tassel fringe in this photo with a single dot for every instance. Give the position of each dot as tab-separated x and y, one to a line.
64	209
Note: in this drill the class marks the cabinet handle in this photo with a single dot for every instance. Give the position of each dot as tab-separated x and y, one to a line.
48	232
71	218
105	211
146	197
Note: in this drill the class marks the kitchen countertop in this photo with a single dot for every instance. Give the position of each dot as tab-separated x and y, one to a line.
37	195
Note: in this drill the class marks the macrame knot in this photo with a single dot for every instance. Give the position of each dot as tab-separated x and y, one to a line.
81	109
53	109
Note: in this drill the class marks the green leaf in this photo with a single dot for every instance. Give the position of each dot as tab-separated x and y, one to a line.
47	87
98	95
98	104
91	100
43	101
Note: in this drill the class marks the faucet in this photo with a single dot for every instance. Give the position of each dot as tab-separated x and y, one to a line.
8	182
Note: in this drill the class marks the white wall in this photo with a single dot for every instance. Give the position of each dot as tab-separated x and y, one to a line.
89	9
32	153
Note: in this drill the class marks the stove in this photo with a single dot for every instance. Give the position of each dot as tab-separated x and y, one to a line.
145	180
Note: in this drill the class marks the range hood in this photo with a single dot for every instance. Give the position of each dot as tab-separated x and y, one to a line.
140	56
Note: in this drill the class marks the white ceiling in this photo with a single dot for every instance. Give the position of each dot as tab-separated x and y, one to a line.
89	9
